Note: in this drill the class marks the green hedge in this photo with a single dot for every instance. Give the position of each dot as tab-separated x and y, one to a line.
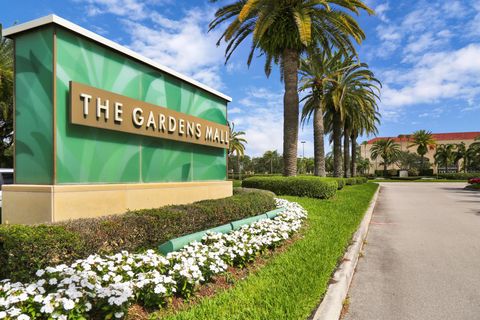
24	249
341	182
313	187
458	176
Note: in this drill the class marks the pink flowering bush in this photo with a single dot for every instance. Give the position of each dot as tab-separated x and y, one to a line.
474	181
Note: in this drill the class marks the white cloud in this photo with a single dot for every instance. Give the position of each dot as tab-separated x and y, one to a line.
183	44
428	26
433	78
263	123
381	10
131	8
234	110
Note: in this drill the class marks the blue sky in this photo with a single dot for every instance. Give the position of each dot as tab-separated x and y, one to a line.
426	53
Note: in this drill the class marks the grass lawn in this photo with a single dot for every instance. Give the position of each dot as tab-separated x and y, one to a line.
419	180
292	282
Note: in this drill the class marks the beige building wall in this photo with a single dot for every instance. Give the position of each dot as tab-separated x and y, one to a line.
365	150
31	204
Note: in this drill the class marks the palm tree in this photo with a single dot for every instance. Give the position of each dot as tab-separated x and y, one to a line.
351	86
423	140
461	154
282	30
270	156
363	121
472	156
388	150
236	144
313	70
445	155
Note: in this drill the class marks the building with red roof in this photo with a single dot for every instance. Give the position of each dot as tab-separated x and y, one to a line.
405	141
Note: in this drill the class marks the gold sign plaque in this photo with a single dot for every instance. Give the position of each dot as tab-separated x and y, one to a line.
98	108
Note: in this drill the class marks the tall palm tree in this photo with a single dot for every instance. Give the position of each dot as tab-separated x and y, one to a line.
236	144
351	86
363	120
313	79
445	155
388	150
424	141
282	30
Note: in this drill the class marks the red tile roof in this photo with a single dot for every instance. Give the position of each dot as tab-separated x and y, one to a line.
436	136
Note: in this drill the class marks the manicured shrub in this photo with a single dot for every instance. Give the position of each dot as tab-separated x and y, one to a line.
390	173
341	182
405	178
361	180
458	176
426	172
313	187
350	181
24	249
475	186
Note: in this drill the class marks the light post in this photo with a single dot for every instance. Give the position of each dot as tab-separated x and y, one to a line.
303	154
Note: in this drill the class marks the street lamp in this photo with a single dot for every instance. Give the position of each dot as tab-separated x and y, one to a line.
303	149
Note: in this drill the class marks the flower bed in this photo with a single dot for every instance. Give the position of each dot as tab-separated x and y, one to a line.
105	287
24	249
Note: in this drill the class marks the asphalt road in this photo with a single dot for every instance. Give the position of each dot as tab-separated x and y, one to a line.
422	256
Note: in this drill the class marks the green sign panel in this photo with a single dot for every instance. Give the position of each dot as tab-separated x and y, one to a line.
49	149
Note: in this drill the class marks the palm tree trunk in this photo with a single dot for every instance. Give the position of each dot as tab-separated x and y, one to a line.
337	145
318	142
384	168
421	164
239	170
346	153
353	164
290	111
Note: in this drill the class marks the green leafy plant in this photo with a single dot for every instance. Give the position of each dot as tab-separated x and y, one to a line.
24	249
313	187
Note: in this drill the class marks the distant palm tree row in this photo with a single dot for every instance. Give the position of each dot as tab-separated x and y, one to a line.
316	39
446	155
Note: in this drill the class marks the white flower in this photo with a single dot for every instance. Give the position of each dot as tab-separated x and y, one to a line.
13	312
40	272
118	315
3	314
23	317
68	304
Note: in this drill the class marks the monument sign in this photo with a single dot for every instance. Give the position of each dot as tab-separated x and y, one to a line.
100	129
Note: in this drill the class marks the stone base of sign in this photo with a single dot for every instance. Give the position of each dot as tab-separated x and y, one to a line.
31	204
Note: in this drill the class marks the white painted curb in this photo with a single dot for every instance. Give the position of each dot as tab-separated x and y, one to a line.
332	304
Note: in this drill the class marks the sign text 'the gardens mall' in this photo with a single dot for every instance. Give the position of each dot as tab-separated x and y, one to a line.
98	108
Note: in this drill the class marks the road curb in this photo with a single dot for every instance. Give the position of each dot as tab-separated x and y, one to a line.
332	303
